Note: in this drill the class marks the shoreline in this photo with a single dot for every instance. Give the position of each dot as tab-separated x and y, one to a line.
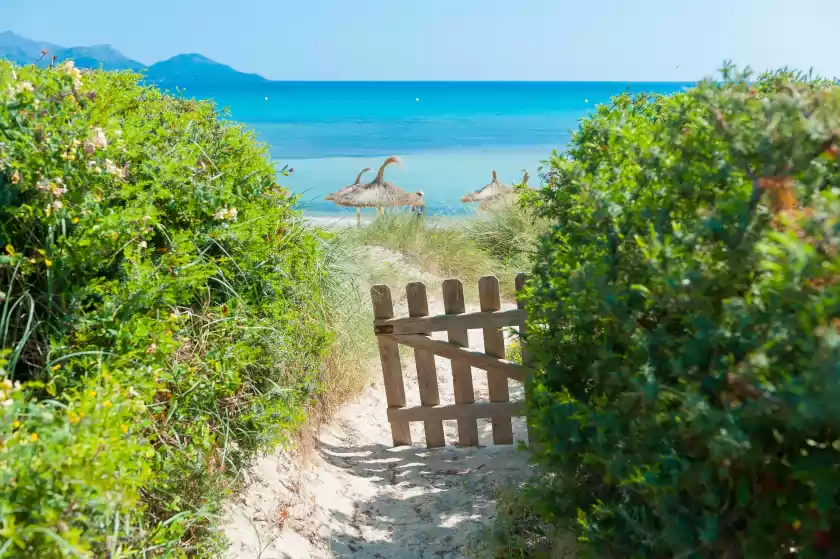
341	221
443	176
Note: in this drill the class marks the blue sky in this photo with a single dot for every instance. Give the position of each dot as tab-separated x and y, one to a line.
451	39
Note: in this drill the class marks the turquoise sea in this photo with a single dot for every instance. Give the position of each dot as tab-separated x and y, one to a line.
449	135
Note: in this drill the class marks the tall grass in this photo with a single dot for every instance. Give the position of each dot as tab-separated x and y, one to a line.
508	231
433	246
344	282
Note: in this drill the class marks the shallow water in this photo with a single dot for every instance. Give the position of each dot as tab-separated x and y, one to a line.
450	135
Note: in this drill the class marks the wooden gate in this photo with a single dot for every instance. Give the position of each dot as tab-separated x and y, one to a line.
414	331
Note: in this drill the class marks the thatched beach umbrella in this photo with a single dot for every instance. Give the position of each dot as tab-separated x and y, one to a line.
347	189
379	193
489	192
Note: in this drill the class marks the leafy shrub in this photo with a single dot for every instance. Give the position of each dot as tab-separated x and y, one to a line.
519	532
685	317
160	306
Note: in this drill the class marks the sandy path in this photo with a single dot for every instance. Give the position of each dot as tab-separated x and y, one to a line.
359	497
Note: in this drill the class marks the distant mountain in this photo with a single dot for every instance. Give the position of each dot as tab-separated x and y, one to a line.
192	69
21	50
180	70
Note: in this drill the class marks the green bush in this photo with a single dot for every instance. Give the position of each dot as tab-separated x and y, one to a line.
685	318
160	305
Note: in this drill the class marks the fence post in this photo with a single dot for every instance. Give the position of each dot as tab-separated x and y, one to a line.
494	344
418	305
389	354
521	278
453	302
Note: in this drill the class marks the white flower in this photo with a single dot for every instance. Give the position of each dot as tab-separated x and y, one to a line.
7	403
99	141
43	185
25	86
225	213
143	244
112	169
133	392
70	69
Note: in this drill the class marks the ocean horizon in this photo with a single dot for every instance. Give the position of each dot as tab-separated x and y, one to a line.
450	135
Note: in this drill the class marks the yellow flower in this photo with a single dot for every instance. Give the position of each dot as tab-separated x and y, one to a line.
34	437
10	250
16	177
75	220
124	428
107	403
91	393
56	367
15	424
48	262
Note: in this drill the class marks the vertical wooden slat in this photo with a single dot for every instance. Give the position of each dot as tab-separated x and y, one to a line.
521	278
389	354
453	302
418	305
494	344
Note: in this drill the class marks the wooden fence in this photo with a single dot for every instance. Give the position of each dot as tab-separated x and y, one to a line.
414	331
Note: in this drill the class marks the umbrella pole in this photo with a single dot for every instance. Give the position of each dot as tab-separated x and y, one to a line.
358	217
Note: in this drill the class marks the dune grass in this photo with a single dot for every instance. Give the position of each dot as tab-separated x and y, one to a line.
346	311
500	240
508	232
436	249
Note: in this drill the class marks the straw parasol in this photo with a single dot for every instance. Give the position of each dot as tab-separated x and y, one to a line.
347	189
379	193
489	192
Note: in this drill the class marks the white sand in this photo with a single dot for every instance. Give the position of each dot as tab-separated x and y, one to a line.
359	497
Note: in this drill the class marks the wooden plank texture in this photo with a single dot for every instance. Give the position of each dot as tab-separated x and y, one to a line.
466	355
425	324
389	355
418	306
494	345
453	302
457	411
521	278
